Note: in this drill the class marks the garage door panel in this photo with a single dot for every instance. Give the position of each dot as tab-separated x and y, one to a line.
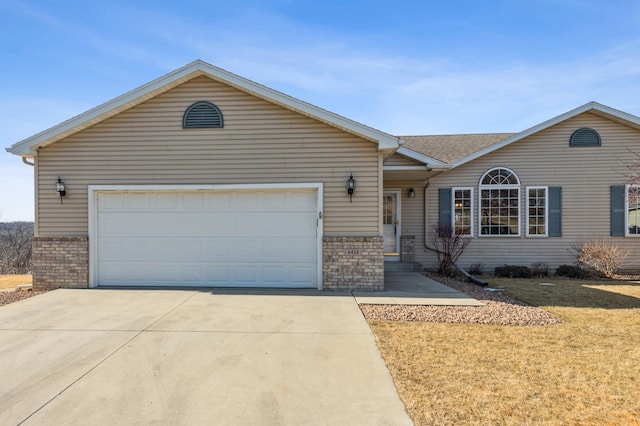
301	275
208	238
301	250
194	201
114	201
167	272
192	274
274	274
220	202
219	274
301	202
139	202
112	224
246	201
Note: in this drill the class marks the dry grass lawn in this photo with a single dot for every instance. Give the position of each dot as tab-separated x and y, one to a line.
11	281
584	371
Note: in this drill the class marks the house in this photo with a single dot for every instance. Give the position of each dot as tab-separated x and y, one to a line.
204	178
522	198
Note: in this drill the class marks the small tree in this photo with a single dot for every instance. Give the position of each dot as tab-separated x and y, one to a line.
15	247
449	246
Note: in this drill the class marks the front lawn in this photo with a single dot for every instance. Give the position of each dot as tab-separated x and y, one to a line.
11	281
583	371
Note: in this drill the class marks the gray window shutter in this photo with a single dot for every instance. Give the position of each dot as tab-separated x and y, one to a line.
555	211
444	204
617	210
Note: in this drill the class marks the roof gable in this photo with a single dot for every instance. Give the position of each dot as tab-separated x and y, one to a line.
592	107
195	69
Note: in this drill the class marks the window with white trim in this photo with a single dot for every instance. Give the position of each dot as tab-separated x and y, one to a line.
499	203
537	211
632	216
462	211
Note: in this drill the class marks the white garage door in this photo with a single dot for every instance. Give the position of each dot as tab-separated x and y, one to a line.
230	238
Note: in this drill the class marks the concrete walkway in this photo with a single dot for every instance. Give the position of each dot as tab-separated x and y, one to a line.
412	288
99	357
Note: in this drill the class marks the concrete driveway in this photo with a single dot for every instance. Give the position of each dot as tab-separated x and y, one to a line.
181	357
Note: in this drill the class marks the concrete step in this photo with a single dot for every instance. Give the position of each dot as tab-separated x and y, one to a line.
402	267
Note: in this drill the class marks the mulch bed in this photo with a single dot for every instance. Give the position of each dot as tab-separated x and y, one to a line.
499	309
10	296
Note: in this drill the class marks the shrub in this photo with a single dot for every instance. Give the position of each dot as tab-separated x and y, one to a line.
513	271
599	256
540	269
449	246
476	269
571	271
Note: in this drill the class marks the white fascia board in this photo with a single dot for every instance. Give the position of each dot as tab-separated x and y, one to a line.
104	111
423	167
590	106
384	140
192	70
205	187
430	161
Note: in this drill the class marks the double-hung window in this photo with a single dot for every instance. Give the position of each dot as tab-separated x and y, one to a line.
632	215
537	211
462	210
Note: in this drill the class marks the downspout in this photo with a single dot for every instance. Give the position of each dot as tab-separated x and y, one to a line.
470	277
25	161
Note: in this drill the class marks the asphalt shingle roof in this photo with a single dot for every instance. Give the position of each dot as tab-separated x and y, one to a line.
449	148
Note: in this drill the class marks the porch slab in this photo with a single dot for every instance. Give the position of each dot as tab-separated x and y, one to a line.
412	288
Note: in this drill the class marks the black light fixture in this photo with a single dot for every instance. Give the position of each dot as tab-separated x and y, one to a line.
60	189
412	193
351	186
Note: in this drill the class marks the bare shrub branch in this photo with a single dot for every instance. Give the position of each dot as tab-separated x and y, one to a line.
449	246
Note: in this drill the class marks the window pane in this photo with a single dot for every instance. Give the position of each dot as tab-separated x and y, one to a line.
499	207
537	211
387	210
462	211
633	214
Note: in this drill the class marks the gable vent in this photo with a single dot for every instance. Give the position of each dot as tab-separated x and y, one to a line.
201	115
585	137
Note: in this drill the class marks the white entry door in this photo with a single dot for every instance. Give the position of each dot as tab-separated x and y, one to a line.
391	223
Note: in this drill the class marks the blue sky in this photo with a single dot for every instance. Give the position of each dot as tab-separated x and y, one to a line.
404	67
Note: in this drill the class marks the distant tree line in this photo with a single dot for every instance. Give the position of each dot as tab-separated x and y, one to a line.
15	247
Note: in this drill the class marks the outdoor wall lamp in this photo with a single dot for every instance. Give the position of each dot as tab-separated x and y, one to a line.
412	193
60	189
351	186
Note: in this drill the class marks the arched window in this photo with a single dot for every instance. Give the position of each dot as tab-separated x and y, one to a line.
202	114
499	203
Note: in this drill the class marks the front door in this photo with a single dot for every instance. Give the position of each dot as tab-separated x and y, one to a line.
391	224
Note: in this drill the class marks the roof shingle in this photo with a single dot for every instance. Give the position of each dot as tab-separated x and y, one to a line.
449	148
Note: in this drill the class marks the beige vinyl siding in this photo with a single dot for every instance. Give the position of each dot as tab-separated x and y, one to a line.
260	143
401	160
545	159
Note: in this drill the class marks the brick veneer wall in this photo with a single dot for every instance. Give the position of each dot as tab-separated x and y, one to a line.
407	248
60	262
353	263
